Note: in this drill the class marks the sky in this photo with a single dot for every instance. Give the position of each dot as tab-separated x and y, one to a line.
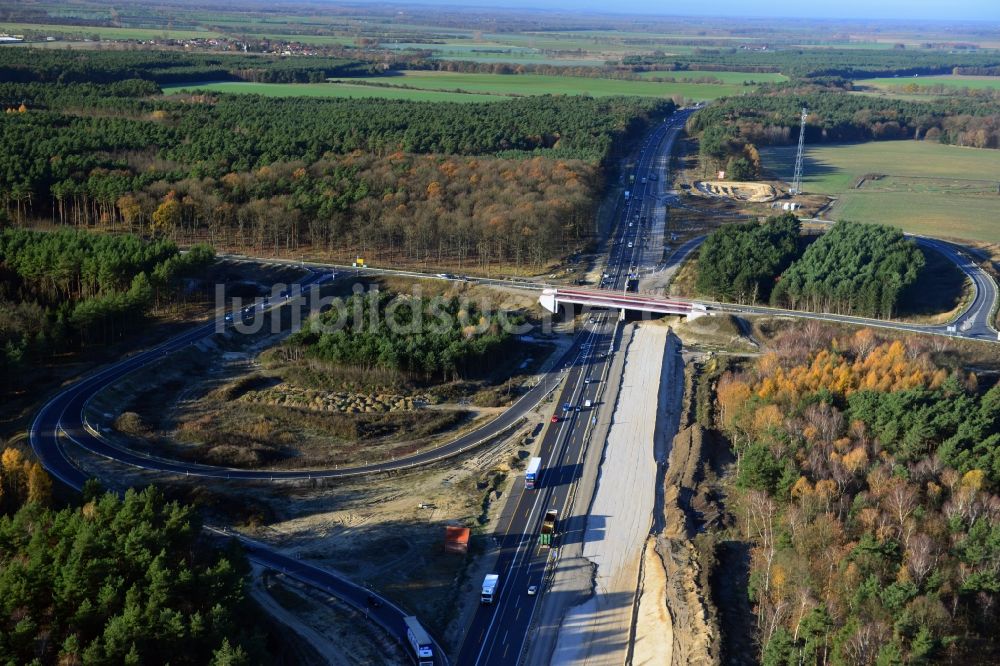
955	10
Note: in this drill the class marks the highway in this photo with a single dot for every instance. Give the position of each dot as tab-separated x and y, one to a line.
63	416
497	632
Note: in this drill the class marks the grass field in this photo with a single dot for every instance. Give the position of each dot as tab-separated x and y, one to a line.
927	188
951	81
330	90
731	78
104	33
536	84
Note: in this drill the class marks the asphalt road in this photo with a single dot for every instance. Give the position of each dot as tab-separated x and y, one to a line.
497	632
63	416
562	447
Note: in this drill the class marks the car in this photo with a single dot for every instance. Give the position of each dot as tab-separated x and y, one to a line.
593	321
630	244
578	408
555	418
532	590
587	380
567	406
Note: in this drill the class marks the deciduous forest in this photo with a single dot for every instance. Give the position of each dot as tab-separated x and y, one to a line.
511	182
866	481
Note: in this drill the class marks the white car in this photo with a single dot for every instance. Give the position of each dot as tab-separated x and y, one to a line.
532	590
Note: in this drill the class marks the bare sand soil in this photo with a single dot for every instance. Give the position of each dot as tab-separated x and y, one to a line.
598	631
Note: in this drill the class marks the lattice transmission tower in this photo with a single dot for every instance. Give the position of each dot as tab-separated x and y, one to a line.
797	179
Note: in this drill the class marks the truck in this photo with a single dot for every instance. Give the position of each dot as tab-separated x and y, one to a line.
533	473
489	588
421	643
588	403
548	528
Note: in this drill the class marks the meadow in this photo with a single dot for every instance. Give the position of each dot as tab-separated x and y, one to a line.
948	81
86	32
538	84
328	90
925	188
730	78
462	87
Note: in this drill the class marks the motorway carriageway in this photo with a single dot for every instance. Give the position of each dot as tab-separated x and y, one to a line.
498	631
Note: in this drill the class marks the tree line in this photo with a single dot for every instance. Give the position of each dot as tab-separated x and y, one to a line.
816	63
64	289
772	117
866	484
118	581
854	268
26	65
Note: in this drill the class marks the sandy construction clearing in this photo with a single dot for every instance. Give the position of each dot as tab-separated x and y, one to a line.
598	631
731	189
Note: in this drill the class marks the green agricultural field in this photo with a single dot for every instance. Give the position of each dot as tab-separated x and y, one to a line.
329	90
973	82
536	84
925	188
730	78
103	33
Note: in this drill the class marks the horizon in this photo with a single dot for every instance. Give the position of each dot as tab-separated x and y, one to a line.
912	11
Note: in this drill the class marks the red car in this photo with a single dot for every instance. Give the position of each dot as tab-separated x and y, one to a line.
555	418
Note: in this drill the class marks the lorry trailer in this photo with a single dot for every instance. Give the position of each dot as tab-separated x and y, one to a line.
421	643
531	477
489	588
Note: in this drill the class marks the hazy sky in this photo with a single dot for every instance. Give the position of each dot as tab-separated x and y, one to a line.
987	10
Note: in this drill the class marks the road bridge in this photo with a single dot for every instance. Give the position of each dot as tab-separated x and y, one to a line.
552	298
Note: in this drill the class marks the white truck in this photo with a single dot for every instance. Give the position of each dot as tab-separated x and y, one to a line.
423	647
490	584
587	404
